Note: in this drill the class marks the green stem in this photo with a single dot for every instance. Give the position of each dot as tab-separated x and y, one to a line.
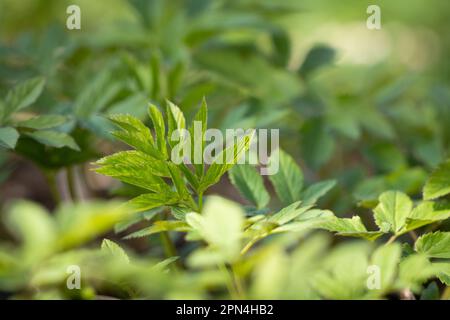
238	282
413	235
249	245
391	239
200	201
169	247
230	282
53	186
71	183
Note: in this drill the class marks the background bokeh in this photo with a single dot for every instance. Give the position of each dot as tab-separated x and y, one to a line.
369	108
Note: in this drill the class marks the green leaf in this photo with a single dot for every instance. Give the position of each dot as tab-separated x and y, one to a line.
316	143
317	57
190	177
350	227
178	181
23	95
438	184
160	129
175	120
136	168
43	122
387	259
434	245
425	213
165	263
135	134
310	219
220	225
317	190
133	161
392	211
149	201
289	213
431	292
8	137
32	225
225	160
250	72
250	184
288	181
443	272
79	223
97	94
2	110
198	138
415	270
160	226
344	272
54	139
115	250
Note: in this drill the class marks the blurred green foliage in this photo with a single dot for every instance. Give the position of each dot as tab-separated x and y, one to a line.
363	112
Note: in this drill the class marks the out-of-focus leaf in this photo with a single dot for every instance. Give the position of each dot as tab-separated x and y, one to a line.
160	226
288	181
34	228
115	250
344	273
311	194
414	270
43	122
317	57
317	144
97	95
250	184
8	137
54	139
220	225
250	73
431	292
443	272
78	223
438	184
23	95
387	259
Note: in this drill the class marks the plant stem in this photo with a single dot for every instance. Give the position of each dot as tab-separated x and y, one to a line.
238	282
53	186
391	239
230	281
169	247
71	183
200	201
413	235
249	245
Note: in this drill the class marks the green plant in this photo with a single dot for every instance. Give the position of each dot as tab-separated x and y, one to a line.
38	128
